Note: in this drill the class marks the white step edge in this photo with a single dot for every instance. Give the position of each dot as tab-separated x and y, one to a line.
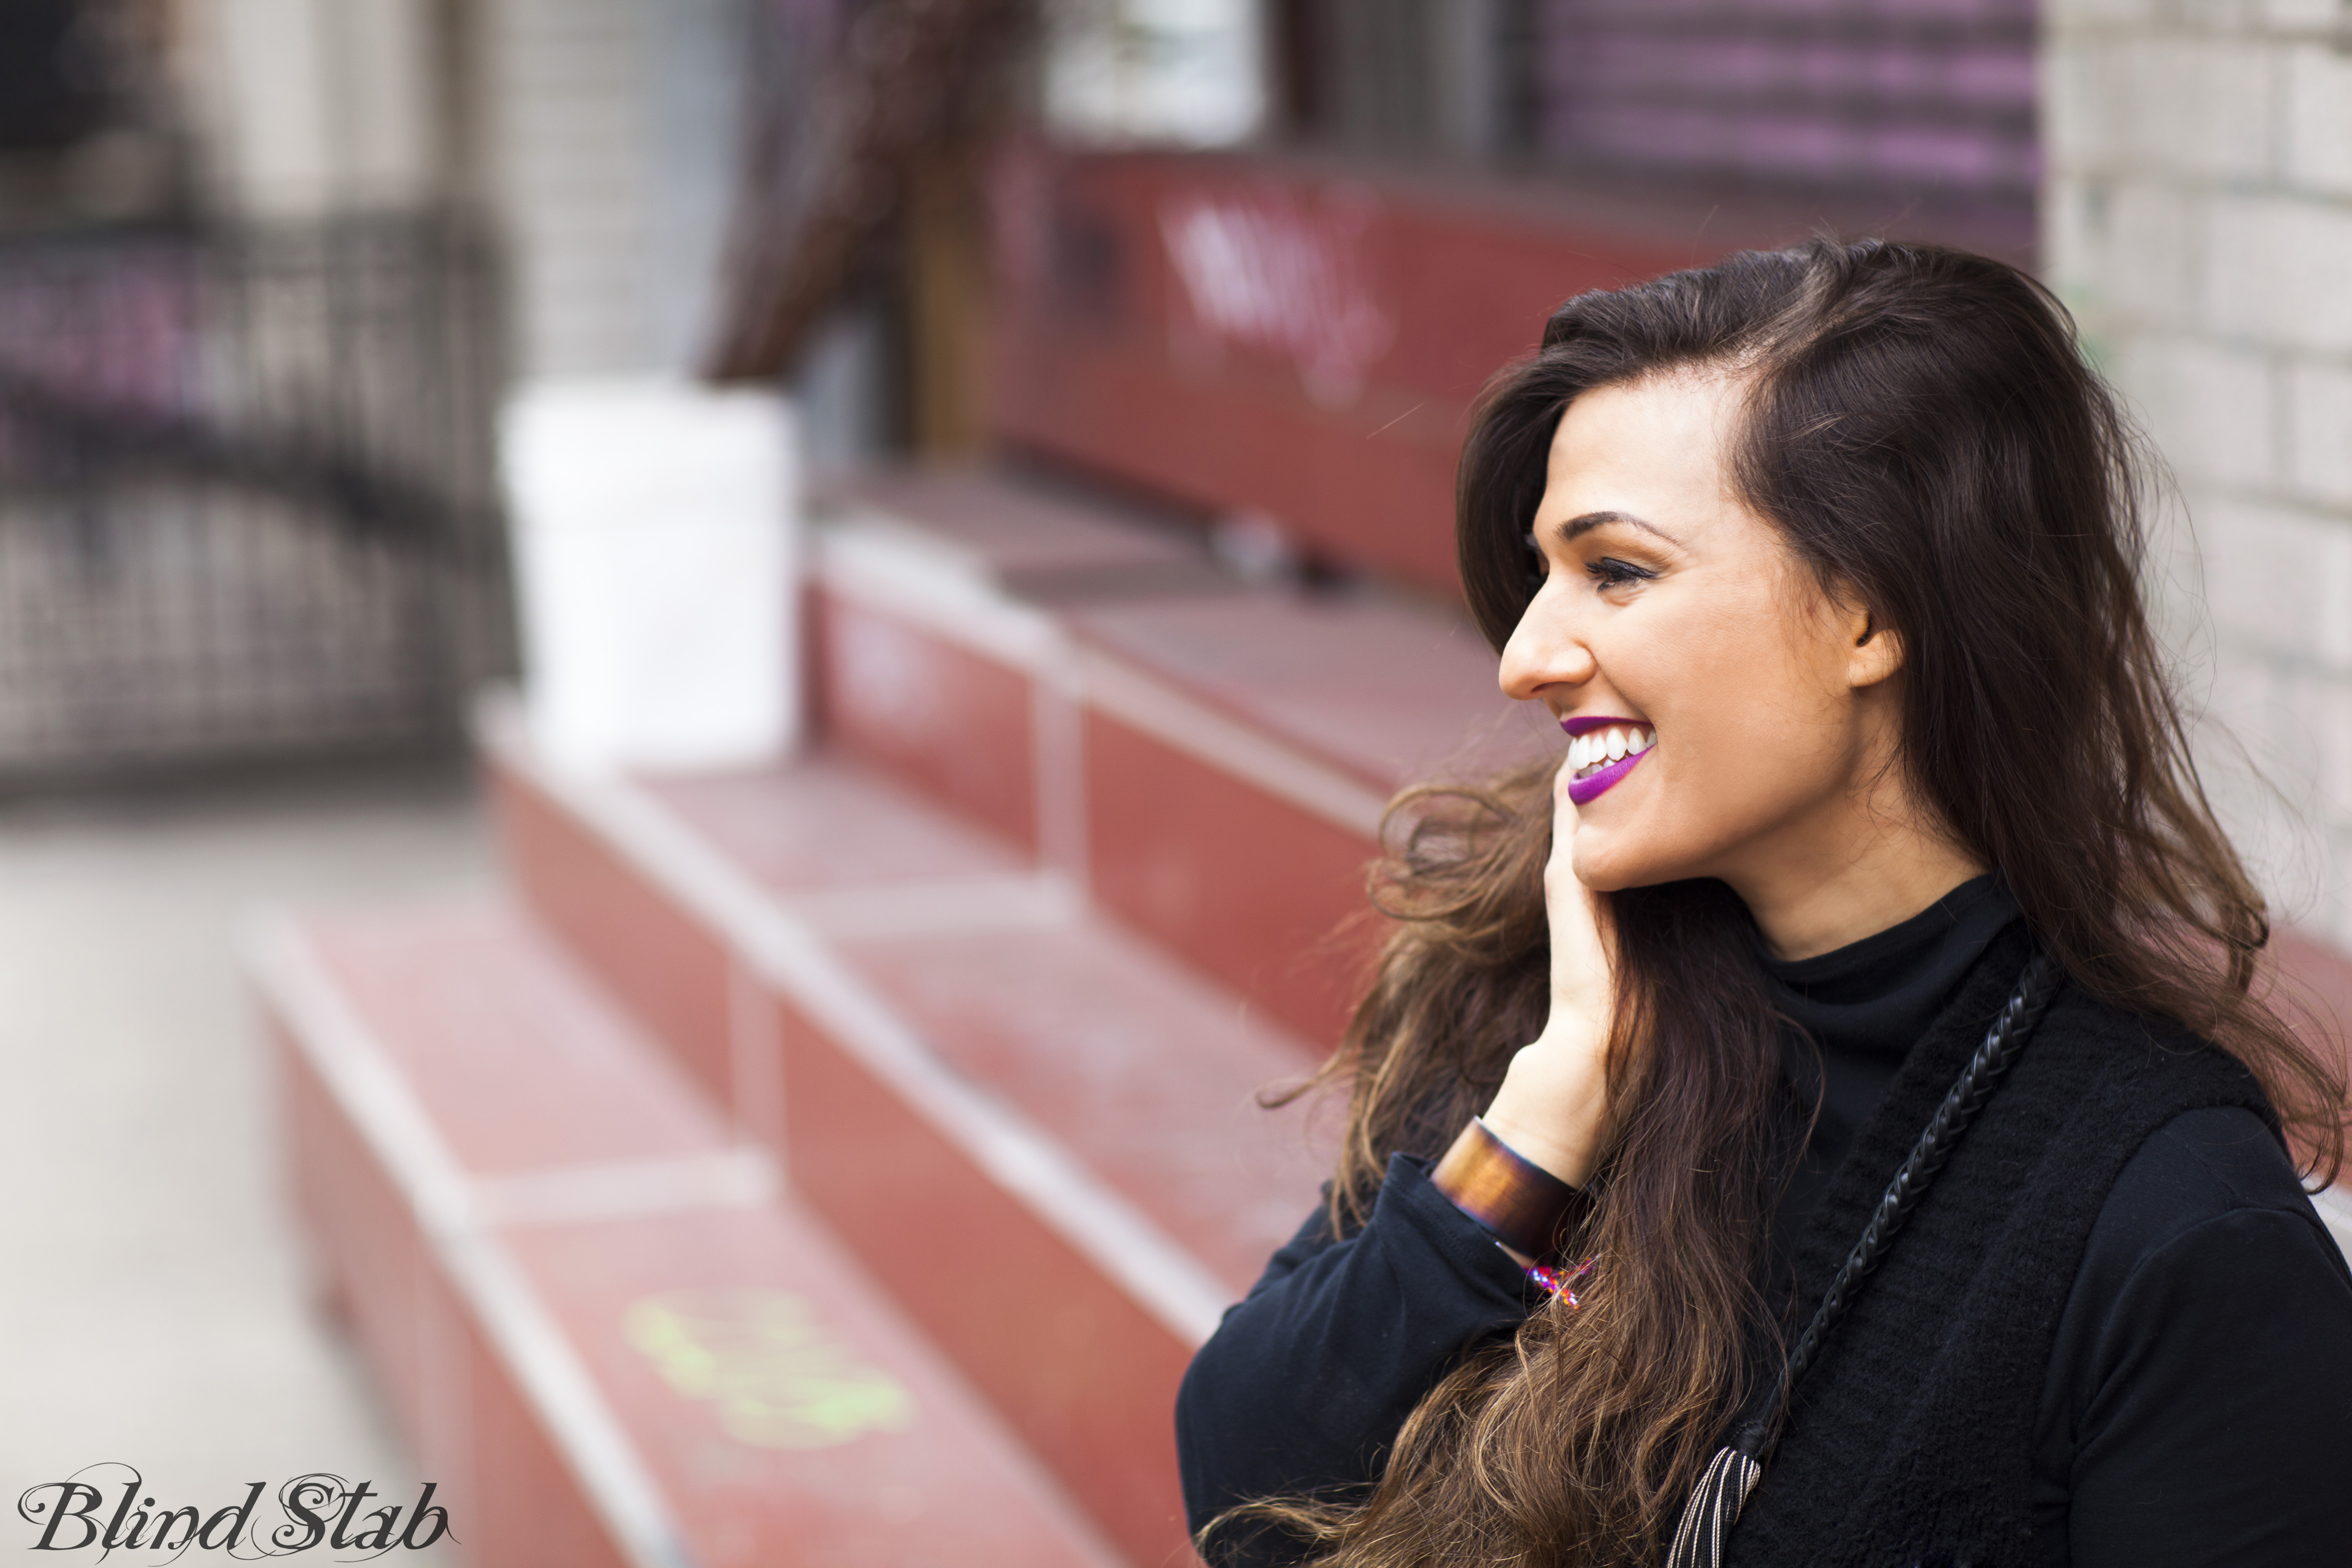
905	573
1130	696
450	1212
788	953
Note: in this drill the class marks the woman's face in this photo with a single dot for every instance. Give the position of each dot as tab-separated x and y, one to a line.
1754	713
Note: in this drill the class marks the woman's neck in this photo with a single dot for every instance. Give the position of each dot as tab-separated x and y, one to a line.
1873	863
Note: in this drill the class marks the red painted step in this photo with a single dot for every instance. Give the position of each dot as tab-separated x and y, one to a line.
1210	763
1038	1130
608	1334
1238	750
1037	539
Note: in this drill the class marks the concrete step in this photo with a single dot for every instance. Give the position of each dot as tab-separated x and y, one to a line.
1209	763
609	1333
1036	1129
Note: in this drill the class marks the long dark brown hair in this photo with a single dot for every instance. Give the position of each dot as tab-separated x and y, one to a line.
1921	426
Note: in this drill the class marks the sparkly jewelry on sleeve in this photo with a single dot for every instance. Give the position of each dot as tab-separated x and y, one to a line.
1563	1279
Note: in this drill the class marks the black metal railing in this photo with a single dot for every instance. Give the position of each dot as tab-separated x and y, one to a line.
248	505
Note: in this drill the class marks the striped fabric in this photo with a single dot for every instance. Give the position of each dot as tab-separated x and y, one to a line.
1930	97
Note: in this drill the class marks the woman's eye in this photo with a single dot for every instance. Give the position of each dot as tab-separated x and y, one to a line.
1611	572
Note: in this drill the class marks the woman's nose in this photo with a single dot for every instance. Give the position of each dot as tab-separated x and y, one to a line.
1544	651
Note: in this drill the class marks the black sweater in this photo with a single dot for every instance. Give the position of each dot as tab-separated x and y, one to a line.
2195	1406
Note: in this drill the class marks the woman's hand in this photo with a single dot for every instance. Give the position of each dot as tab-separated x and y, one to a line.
1553	1107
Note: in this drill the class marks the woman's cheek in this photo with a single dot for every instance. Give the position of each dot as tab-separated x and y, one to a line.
1674	819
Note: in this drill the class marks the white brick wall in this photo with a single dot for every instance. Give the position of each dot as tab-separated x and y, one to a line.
310	108
604	135
2199	219
612	143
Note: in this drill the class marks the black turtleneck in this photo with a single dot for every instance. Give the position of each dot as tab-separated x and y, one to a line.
1859	1009
2197	1409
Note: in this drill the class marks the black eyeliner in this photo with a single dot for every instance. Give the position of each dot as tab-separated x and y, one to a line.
1610	571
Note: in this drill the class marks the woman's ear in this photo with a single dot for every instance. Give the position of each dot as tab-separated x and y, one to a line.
1876	653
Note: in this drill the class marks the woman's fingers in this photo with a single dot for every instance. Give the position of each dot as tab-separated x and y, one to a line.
1580	979
1553	1106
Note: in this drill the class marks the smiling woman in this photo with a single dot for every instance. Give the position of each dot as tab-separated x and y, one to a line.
1851	1062
1670	607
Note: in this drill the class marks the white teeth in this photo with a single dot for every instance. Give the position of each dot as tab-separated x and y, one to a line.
1597	749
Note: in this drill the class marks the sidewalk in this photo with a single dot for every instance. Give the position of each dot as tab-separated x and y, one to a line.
152	1306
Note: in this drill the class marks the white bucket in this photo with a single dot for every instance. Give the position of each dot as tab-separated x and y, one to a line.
656	527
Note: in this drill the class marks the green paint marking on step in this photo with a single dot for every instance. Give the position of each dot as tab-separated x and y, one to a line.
777	1376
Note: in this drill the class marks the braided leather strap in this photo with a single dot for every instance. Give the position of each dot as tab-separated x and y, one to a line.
1724	1488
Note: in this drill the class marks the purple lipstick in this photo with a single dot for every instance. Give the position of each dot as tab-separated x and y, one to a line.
1602	750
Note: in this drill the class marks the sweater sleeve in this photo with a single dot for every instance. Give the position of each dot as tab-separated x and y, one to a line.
1306	1382
2211	1404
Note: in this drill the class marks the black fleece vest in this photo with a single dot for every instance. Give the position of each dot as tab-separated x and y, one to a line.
1911	1441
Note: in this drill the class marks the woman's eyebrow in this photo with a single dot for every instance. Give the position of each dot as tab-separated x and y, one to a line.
1577	526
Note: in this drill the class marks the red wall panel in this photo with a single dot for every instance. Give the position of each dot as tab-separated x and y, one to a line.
1251	335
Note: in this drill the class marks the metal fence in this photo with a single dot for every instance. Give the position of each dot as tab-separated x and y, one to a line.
247	507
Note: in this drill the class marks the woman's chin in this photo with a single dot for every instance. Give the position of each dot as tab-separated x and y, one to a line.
1606	867
1613	858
